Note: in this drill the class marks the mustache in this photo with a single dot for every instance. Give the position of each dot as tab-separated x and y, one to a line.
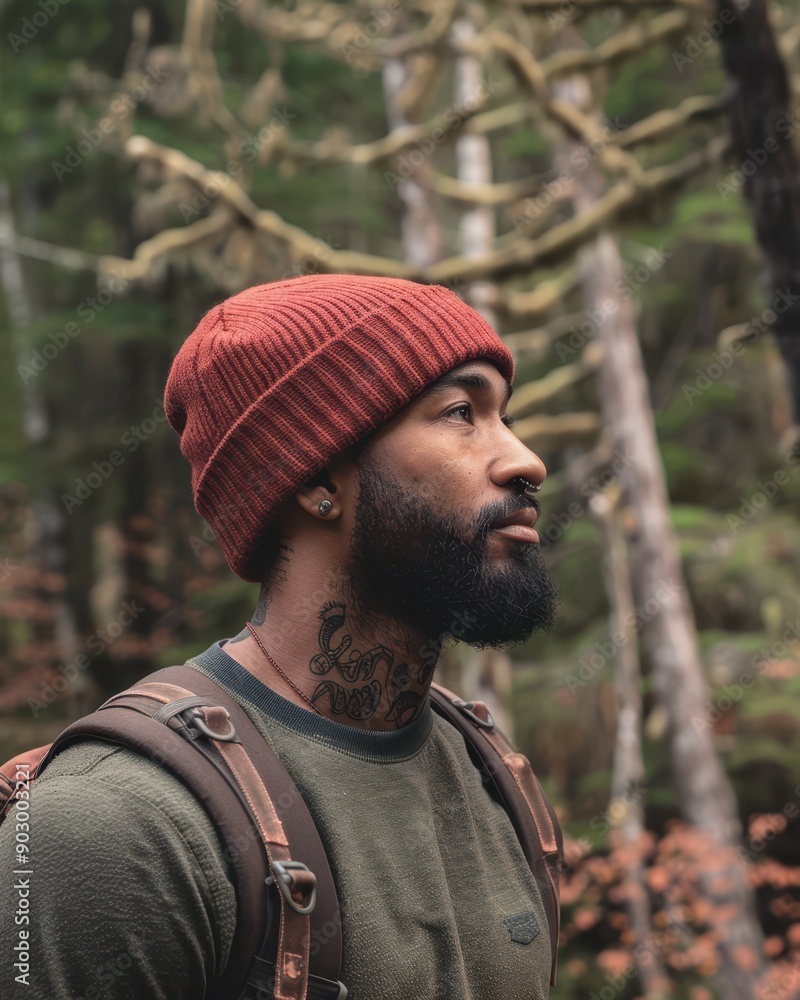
488	515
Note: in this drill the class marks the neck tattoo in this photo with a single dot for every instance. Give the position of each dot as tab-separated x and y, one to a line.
283	675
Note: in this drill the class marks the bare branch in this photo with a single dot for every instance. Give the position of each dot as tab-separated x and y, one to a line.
545	297
662	124
541	339
590	6
151	254
72	260
485	194
559	430
444	12
633	40
555	244
539	392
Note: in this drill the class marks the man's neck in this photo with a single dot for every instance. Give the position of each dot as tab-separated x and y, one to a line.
332	656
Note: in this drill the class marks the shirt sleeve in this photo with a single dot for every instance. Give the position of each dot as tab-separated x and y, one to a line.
128	893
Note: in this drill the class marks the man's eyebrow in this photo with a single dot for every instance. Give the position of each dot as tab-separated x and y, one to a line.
464	380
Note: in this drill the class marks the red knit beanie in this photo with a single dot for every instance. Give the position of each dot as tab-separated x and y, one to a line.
276	381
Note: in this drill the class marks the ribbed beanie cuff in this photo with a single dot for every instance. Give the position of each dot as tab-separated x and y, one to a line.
279	379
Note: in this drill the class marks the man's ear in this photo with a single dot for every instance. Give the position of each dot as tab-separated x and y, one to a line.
334	483
321	487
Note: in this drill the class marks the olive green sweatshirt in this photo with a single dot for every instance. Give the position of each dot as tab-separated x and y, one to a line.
129	894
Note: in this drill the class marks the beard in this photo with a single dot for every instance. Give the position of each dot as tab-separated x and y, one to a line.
434	573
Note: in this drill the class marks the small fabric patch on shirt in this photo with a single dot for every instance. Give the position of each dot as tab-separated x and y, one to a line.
523	927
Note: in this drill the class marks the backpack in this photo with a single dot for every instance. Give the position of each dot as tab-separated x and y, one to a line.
287	920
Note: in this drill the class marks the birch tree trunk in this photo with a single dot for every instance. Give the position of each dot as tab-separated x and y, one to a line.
705	794
488	673
423	240
477	228
626	809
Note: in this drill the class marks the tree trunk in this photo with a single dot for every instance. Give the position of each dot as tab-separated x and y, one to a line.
626	809
48	549
423	240
767	169
705	794
487	674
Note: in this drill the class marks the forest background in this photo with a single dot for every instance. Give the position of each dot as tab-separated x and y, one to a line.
614	186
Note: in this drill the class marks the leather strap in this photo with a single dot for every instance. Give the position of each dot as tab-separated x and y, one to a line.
216	792
294	935
126	718
519	790
326	924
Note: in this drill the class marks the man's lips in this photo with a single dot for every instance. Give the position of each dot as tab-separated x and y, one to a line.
518	525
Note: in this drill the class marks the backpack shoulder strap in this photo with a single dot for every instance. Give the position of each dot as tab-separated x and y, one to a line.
519	791
171	715
302	835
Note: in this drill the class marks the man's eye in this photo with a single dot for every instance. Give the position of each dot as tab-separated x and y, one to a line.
466	409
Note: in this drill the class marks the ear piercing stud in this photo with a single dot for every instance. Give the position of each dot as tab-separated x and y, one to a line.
325	507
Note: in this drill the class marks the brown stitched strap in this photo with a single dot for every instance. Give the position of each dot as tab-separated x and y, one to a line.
294	936
305	841
156	690
531	814
122	727
294	939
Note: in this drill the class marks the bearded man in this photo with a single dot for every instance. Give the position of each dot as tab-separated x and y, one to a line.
350	447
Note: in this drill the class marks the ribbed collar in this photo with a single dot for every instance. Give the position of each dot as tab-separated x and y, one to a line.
364	743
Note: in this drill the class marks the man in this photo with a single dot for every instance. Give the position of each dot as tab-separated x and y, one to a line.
350	446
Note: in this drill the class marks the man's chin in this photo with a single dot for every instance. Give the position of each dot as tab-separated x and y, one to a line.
516	634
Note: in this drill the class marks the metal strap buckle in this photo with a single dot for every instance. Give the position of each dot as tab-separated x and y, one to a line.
283	880
196	721
466	707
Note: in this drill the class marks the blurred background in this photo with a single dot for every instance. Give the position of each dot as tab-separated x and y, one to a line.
614	186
